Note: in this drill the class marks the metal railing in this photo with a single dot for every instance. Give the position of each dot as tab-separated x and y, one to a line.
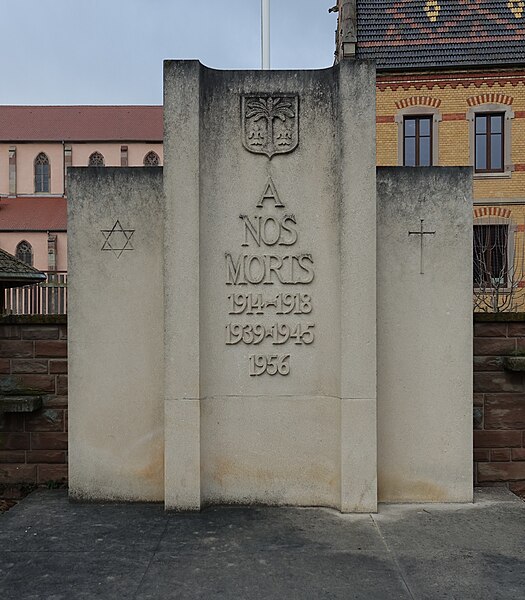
46	298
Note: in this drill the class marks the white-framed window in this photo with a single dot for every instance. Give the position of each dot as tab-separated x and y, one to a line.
490	139
418	136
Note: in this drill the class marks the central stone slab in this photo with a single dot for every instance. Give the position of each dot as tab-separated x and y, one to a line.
270	282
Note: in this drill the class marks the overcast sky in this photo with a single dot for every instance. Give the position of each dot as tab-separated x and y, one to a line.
111	51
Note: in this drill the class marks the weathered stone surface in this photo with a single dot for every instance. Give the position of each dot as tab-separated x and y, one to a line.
43	332
518	453
17	473
9	332
514	363
12	456
500	454
48	419
497	439
14	441
52	473
115	309
48	441
243	368
17	385
478	417
494	346
29	366
20	404
58	366
505	471
488	363
51	348
503	381
46	456
424	335
516	329
289	437
491	330
505	411
16	349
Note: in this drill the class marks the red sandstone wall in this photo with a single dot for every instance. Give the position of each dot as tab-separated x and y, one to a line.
33	360
499	404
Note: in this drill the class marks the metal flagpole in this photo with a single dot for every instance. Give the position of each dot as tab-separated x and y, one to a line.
265	34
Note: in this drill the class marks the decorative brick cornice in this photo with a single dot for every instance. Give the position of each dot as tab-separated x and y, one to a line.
491	98
492	211
429	81
418	101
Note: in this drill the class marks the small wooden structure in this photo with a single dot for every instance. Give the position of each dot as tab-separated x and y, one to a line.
15	273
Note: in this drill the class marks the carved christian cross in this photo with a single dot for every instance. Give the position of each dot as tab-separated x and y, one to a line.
421	234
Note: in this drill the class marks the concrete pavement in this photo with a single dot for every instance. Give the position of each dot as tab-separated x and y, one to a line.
54	550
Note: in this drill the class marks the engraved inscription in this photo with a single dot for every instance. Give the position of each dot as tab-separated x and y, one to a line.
272	364
283	304
268	258
270	123
279	333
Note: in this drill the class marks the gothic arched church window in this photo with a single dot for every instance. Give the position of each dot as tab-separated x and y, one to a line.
96	160
24	252
151	159
42	173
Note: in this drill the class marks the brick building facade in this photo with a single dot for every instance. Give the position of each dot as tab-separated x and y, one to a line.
451	92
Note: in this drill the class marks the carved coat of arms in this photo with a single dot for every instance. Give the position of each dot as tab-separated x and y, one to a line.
270	123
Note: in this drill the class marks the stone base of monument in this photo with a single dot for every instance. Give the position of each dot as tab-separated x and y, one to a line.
250	325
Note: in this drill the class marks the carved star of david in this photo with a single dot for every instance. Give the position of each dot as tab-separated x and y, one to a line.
117	239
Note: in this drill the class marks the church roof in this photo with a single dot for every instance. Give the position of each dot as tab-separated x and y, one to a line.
410	34
81	123
33	214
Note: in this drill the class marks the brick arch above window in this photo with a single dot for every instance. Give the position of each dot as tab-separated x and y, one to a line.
491	98
418	110
492	211
418	101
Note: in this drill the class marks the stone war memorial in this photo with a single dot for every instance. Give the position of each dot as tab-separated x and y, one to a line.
267	319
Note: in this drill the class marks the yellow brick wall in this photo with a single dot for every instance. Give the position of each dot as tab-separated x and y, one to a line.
453	94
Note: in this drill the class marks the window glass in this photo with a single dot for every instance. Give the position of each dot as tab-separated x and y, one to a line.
496	152
496	123
424	152
481	124
489	143
491	267
410	152
424	127
481	152
42	173
410	127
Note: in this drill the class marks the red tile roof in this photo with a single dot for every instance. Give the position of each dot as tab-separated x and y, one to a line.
33	214
81	123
